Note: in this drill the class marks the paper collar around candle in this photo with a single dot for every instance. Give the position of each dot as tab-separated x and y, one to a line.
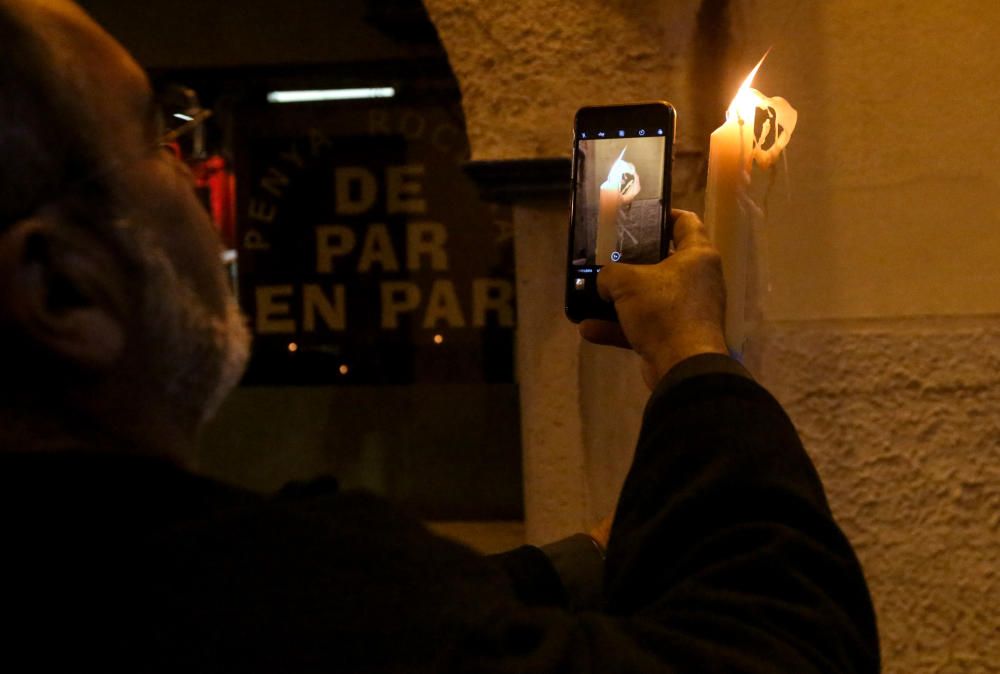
623	178
773	119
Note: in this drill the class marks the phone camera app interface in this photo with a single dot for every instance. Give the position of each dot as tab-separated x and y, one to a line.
617	205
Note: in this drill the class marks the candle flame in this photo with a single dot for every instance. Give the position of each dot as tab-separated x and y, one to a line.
618	169
745	102
770	121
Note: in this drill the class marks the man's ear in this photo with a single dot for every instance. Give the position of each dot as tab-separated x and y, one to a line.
62	293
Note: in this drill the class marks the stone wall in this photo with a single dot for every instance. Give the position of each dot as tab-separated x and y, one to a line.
880	330
525	66
901	418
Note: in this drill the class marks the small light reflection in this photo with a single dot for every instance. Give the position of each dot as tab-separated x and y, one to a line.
439	339
293	347
344	369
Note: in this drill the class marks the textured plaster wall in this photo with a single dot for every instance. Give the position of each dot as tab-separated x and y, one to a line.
881	332
901	418
525	66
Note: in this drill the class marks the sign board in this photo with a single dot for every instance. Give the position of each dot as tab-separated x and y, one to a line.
365	253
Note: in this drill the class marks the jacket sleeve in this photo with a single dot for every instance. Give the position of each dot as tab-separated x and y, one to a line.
567	573
534	579
724	555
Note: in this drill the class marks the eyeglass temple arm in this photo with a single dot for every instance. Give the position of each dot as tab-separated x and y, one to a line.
196	121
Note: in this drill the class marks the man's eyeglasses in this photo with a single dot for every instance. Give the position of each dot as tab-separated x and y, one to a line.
181	126
190	124
183	122
182	119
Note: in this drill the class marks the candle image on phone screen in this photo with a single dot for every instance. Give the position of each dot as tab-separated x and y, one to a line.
618	200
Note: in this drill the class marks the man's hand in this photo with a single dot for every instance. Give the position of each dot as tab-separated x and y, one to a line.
668	311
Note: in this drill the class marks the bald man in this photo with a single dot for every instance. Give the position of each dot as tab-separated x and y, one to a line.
119	339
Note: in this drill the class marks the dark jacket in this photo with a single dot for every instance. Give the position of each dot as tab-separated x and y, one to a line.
724	557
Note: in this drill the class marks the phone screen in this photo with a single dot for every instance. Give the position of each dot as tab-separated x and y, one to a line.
618	204
621	197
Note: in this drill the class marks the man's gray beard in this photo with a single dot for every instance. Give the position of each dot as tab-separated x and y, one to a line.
198	356
233	339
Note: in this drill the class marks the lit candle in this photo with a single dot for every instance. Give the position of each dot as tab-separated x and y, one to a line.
728	205
613	195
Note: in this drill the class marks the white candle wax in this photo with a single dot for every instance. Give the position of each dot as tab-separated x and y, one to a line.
607	223
607	212
729	210
727	219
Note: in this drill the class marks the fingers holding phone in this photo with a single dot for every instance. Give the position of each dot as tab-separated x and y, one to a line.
667	311
617	280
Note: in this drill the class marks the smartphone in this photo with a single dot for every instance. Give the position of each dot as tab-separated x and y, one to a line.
622	158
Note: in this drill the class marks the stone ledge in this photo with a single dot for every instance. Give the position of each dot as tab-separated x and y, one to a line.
514	180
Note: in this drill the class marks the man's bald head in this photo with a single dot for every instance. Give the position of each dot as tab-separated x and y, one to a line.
58	117
112	277
39	134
